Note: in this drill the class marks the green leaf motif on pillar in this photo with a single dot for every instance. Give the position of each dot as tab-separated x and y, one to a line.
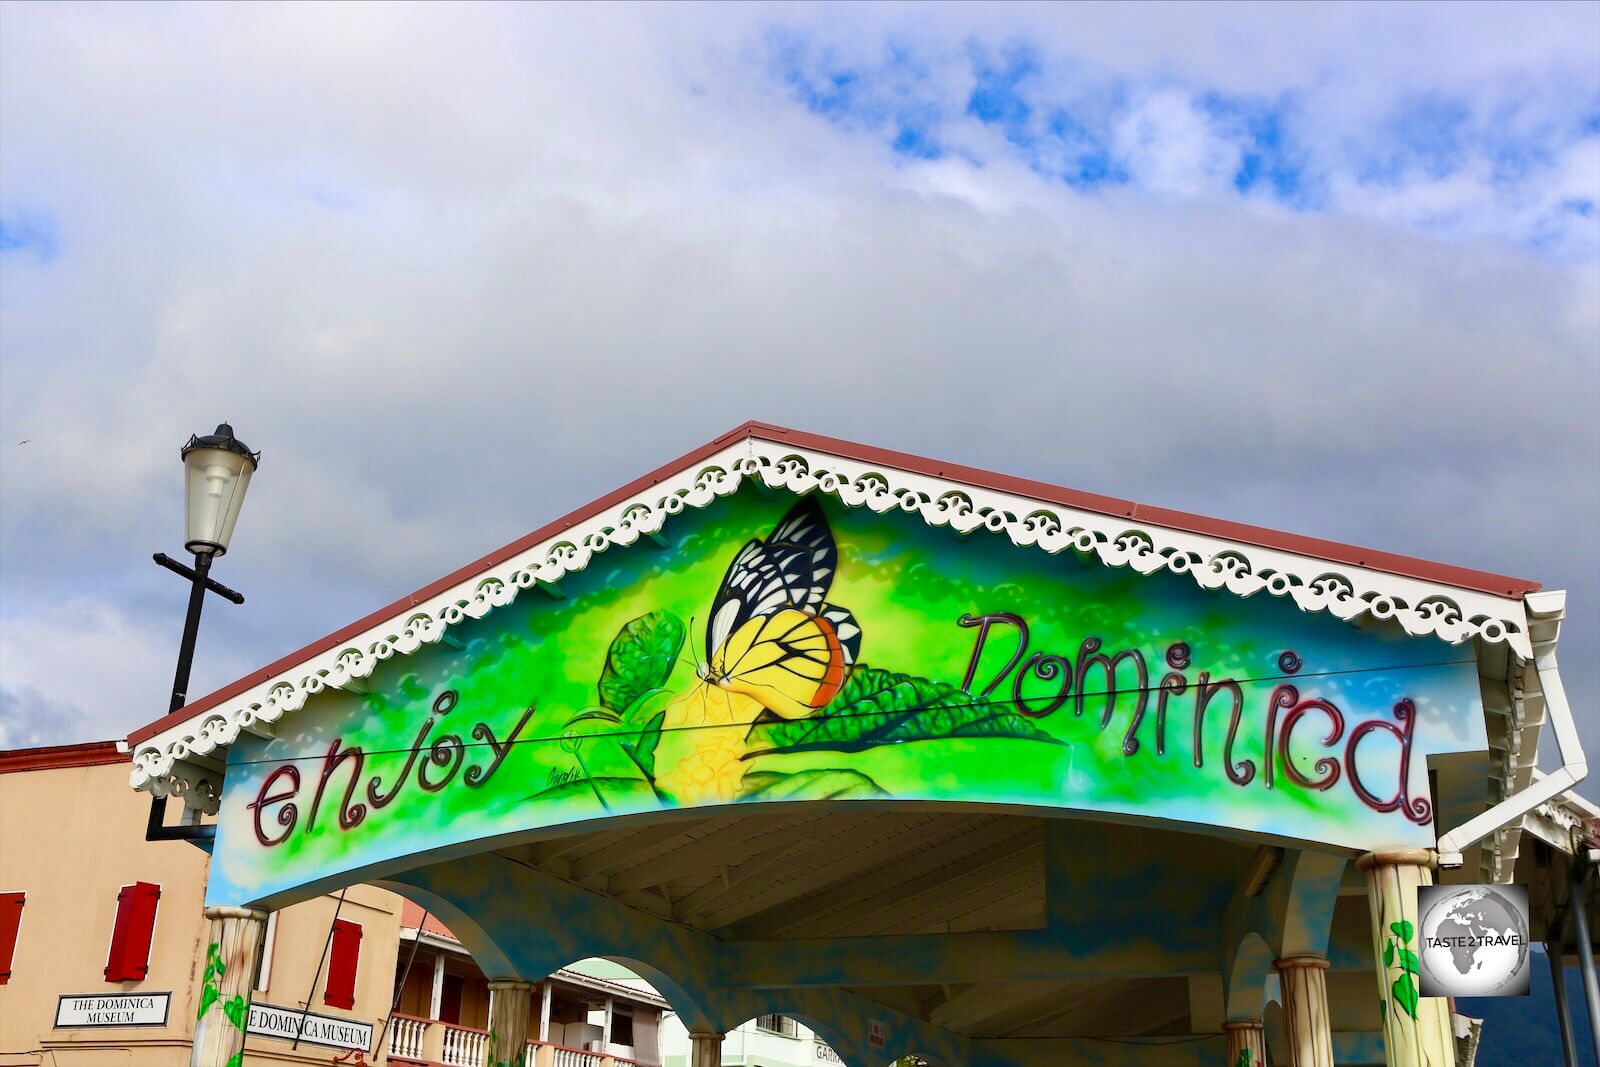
237	1009
1404	988
210	987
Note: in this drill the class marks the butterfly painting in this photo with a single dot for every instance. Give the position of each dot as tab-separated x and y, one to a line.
781	678
772	635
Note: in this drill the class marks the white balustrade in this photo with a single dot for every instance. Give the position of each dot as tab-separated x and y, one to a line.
571	1057
562	1056
406	1037
463	1046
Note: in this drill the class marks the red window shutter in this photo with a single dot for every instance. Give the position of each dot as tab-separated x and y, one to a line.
10	923
342	960
129	960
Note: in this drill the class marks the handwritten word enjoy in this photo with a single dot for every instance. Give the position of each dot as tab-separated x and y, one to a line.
445	756
1285	711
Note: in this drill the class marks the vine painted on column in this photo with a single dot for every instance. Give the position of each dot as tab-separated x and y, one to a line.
1404	989
490	1059
236	1007
1245	1059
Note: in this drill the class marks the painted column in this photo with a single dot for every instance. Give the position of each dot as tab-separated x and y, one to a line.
510	1011
1247	1043
1416	1029
705	1048
233	948
1304	981
544	1012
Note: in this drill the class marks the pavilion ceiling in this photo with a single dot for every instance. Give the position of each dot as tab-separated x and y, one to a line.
757	876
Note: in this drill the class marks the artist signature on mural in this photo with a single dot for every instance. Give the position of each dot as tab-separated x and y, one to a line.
560	776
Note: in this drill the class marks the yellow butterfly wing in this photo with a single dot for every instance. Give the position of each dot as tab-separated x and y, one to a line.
789	660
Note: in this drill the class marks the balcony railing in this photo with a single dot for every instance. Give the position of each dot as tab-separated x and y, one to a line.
408	1039
418	1042
463	1046
544	1054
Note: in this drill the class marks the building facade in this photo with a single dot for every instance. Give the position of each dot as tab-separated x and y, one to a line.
101	963
765	1041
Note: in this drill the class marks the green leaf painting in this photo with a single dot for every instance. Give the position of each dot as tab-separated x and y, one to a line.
643	750
1404	987
1404	991
879	707
641	658
210	982
209	995
237	1009
825	784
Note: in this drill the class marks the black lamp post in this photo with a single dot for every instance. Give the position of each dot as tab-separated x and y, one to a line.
217	470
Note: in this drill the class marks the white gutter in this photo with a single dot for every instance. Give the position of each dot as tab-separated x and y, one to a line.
1548	607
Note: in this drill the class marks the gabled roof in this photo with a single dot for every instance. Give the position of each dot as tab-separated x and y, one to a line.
174	753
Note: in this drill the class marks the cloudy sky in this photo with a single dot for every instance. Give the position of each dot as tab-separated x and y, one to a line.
458	270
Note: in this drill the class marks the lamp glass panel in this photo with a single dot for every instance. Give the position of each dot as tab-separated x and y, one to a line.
215	485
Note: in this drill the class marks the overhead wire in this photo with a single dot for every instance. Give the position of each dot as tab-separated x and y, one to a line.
982	703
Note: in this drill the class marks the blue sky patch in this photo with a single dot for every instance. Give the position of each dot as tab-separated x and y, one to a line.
1067	121
28	233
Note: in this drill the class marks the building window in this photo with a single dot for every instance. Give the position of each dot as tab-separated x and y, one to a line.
777	1024
621	1027
10	923
264	961
343	956
129	959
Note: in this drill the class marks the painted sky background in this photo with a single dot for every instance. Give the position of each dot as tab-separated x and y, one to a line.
456	271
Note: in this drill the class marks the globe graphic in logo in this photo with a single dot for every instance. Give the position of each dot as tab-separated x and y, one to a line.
1474	943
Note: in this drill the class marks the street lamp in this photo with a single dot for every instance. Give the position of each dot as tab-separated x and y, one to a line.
217	470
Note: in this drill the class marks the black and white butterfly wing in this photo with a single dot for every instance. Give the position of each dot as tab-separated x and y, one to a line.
793	567
761	580
806	529
847	630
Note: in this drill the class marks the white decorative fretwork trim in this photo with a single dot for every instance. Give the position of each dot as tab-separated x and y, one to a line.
180	761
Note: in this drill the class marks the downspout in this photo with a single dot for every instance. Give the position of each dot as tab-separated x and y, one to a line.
1548	607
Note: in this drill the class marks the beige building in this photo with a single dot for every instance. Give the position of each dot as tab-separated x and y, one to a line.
102	952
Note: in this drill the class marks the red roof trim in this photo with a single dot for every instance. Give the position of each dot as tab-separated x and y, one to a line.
56	757
1333	551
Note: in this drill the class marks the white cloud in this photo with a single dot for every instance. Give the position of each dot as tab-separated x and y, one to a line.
83	669
1170	146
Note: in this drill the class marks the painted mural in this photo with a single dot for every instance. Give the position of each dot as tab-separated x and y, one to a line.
772	650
